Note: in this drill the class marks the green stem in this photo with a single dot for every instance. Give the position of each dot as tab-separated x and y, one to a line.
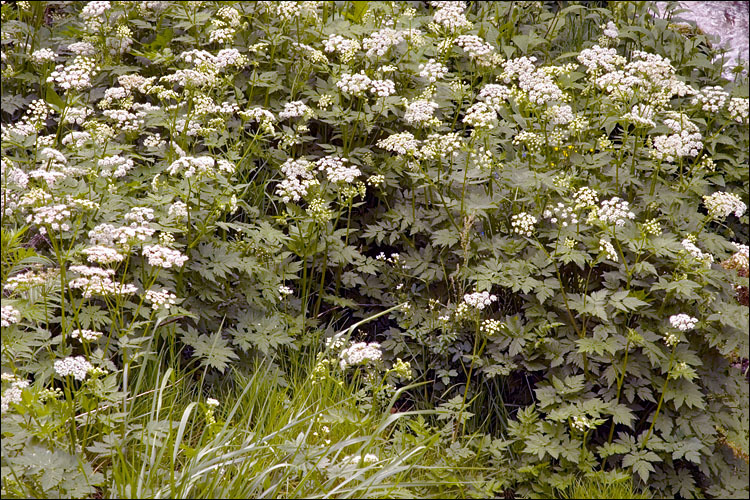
661	398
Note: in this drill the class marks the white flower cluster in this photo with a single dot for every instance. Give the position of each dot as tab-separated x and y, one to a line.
683	322
178	209
691	248
679	122
382	88
641	115
258	114
190	165
378	43
481	115
13	393
345	47
161	256
76	139
9	315
28	279
32	121
711	99
76	75
523	224
585	197
299	178
420	111
54	216
479	300
82	49
440	145
103	254
163	299
315	55
609	250
43	55
94	9
97	281
114	166
560	115
139	215
532	140
85	335
721	204
477	49
600	60
126	121
76	366
738	260
360	353
401	143
109	235
615	211
491	327
12	174
190	78
561	213
450	15
537	85
337	170
738	109
610	30
432	70
495	95
295	109
652	226
284	291
356	84
77	115
670	147
290	10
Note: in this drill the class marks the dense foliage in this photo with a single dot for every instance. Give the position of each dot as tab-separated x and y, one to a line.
395	248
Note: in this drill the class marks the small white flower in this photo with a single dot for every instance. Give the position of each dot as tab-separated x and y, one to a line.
479	300
683	322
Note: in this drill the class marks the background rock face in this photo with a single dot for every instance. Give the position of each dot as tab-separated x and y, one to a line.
727	20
